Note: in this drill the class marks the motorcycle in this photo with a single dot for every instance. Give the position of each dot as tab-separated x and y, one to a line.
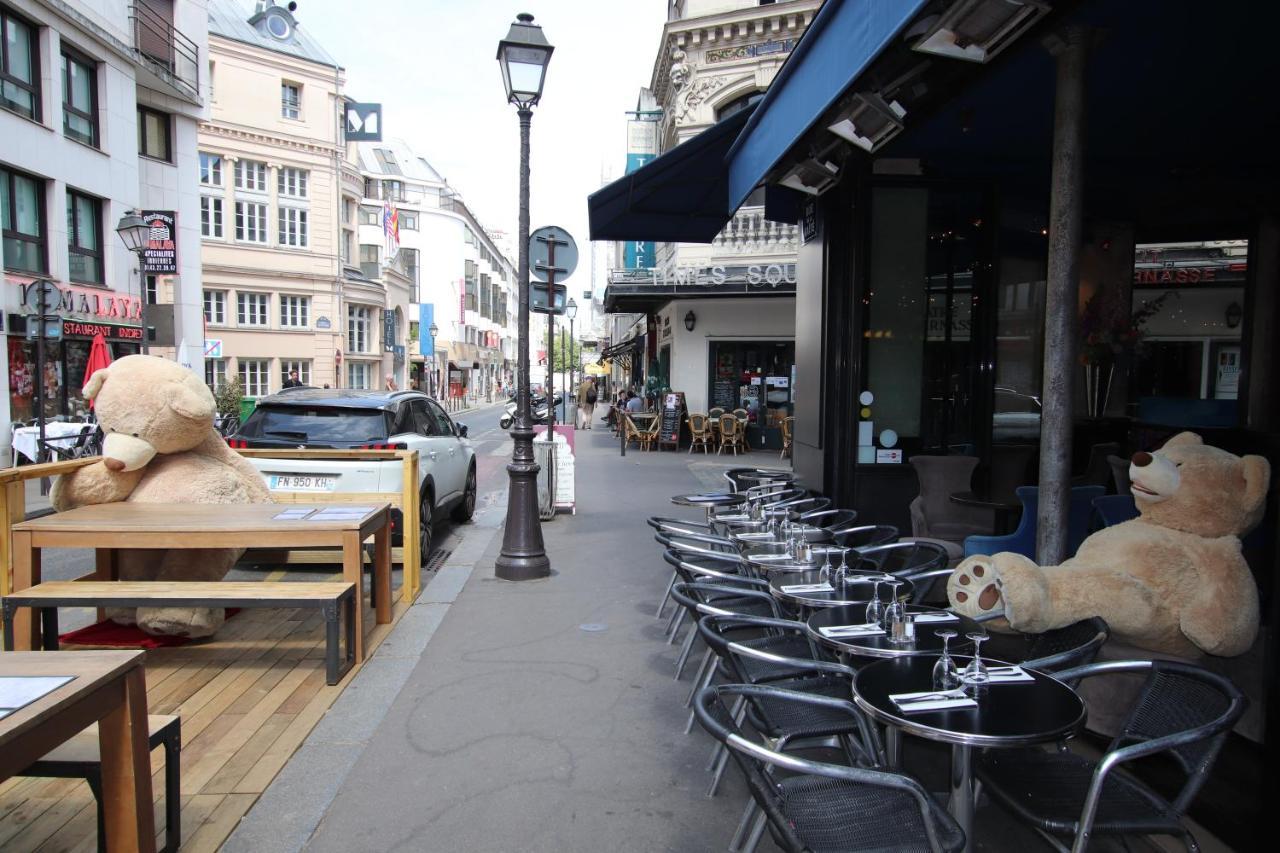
537	409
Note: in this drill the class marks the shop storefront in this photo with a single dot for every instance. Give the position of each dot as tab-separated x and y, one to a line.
85	312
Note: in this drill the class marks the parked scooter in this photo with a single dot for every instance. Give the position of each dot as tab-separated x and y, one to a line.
537	408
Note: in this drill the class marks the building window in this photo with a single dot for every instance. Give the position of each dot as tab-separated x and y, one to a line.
408	221
295	312
22	206
19	66
79	98
255	376
154	135
303	367
358	373
369	260
215	372
348	211
348	240
211	217
151	289
409	257
251	309
212	65
84	238
215	307
359	328
370	216
251	222
293	227
291	100
292	182
210	169
251	175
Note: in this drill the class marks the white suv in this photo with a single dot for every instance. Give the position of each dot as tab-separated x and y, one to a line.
377	420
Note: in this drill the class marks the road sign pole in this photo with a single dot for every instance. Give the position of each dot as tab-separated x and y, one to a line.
41	307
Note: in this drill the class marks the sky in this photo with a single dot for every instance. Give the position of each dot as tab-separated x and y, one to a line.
432	66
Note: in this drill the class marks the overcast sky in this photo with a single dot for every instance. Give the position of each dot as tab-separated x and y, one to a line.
431	64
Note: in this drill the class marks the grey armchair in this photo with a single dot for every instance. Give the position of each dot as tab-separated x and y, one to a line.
934	516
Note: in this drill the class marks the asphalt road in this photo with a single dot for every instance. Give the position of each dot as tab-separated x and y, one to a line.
493	449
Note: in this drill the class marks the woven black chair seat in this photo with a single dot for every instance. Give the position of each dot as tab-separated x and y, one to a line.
802	721
1048	790
832	815
787	645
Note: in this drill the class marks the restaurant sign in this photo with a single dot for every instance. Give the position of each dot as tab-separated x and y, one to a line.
109	331
161	252
1167	275
91	303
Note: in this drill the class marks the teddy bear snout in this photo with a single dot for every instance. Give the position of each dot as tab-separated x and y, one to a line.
127	452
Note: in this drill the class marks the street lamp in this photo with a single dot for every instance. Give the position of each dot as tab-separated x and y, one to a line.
571	311
133	233
434	330
523	56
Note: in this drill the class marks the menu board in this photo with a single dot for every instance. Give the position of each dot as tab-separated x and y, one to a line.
724	393
672	417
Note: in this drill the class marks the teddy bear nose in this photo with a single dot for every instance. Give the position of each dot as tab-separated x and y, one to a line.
113	464
1142	459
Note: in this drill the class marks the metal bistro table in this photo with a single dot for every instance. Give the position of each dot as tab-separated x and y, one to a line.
710	501
844	594
1006	510
1007	715
926	642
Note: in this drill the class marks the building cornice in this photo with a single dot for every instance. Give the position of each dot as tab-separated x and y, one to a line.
243	133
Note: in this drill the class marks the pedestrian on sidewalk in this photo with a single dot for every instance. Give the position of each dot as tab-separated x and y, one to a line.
391	383
586	402
293	381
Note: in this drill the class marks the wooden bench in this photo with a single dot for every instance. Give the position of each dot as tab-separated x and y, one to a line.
329	598
80	758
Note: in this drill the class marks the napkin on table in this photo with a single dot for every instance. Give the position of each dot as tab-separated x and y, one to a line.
935	617
951	700
796	588
839	631
1009	675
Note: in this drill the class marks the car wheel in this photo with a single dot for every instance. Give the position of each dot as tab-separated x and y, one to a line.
467	507
426	529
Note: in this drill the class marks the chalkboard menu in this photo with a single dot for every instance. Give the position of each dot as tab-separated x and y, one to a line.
724	393
672	418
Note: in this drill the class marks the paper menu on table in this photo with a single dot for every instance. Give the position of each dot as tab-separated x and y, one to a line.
340	513
292	514
18	691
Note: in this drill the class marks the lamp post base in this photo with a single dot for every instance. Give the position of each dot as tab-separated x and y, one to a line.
523	556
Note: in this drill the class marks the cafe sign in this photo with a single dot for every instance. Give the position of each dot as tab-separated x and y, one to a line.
89	303
109	331
160	255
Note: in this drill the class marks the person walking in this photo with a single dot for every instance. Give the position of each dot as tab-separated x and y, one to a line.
586	402
293	381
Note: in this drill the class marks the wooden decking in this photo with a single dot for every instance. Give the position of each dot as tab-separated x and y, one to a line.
247	700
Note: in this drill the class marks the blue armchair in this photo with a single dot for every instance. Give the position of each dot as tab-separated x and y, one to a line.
1114	509
1023	540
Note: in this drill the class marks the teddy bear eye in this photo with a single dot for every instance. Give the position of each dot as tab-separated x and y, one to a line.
135	435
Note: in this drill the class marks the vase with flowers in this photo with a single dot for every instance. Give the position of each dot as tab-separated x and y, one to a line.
1109	331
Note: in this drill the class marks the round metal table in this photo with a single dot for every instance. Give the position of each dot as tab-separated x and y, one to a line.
710	501
927	641
749	534
763	475
1007	715
845	594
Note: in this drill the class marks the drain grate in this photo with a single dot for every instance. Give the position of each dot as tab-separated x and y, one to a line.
437	558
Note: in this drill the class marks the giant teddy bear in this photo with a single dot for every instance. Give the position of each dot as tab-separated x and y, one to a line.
161	448
1172	581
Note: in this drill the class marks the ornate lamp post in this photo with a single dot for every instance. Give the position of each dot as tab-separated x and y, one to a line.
133	233
523	57
571	311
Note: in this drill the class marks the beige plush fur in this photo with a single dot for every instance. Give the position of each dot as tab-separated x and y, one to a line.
1172	580
161	448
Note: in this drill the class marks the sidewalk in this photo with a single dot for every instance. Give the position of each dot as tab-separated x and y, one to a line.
540	716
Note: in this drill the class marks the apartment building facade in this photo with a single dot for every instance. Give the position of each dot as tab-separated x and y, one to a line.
99	111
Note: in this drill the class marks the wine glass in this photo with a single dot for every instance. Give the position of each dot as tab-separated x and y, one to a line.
824	571
975	674
874	609
945	675
895	613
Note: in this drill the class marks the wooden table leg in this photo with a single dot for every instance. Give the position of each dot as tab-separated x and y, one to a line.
127	801
382	571
26	574
106	567
353	572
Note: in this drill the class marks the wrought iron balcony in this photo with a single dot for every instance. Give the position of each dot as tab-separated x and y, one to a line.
164	48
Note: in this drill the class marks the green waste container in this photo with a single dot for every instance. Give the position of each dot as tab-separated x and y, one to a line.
247	405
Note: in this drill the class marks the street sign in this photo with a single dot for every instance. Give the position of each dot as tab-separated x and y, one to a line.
539	300
213	347
52	328
32	295
553	255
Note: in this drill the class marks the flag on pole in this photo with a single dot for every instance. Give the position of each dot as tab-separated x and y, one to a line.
391	230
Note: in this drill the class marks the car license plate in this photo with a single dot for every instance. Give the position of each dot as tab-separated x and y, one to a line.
302	482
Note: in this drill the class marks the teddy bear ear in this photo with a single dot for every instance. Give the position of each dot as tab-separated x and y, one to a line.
94	385
1182	439
192	400
1257	478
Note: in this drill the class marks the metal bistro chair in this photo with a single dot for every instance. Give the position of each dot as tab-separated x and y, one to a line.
865	535
1058	649
823	807
703	598
730	434
61	450
1184	712
830	519
699	432
922	563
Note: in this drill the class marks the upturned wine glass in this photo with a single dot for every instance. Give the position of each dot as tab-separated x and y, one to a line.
975	674
875	610
895	611
945	674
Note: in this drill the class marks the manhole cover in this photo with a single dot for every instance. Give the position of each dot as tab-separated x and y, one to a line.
593	627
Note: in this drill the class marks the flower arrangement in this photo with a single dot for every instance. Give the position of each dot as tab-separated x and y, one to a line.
1109	330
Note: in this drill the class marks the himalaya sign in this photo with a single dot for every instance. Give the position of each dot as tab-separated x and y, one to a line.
753	277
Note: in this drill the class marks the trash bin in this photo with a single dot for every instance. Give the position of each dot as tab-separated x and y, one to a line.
247	405
544	453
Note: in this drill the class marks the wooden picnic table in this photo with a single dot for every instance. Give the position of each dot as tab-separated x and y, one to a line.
108	688
108	527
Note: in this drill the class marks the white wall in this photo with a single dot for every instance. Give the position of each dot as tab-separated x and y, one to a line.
747	319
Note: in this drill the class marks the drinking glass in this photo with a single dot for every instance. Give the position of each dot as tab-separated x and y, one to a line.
895	613
975	674
874	609
824	571
945	674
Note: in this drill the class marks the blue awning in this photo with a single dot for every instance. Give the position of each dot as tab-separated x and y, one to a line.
843	39
681	197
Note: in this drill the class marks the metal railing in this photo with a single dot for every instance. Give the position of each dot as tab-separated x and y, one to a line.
159	43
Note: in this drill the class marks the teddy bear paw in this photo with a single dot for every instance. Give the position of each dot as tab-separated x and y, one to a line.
974	587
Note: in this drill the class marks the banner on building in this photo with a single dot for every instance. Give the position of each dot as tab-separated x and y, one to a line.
161	252
642	147
426	316
364	122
